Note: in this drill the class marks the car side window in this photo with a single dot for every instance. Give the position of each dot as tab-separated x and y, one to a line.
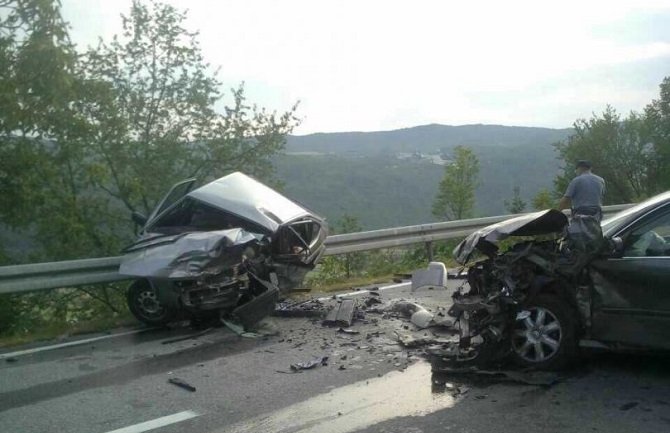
651	239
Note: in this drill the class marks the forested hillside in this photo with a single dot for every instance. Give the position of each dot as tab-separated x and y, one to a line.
388	178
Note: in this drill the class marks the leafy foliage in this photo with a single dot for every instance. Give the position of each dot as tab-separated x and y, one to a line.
656	130
86	138
516	204
456	193
632	154
543	200
158	124
617	151
109	131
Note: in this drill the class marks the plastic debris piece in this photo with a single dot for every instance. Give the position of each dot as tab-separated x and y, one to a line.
348	331
417	314
434	276
308	365
180	383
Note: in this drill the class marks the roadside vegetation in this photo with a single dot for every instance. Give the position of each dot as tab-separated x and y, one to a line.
88	135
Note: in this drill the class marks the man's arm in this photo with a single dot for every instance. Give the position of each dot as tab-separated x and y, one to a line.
566	200
564	203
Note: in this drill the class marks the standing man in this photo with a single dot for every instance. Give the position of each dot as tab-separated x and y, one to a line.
585	192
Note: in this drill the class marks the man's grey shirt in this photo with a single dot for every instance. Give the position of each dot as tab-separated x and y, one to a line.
587	189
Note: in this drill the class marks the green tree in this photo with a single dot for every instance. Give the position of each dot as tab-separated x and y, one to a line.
543	200
37	87
456	193
114	128
516	204
656	131
157	123
618	151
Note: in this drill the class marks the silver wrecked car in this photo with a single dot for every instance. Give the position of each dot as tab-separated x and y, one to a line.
226	248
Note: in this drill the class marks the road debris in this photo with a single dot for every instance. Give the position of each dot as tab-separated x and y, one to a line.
308	365
411	341
342	314
348	331
182	384
417	314
308	308
629	406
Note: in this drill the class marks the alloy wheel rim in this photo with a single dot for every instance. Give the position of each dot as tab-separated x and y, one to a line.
148	303
537	337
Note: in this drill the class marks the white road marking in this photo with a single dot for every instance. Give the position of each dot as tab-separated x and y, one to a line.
158	422
363	292
69	344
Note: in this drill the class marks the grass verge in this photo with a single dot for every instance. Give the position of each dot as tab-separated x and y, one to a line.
60	331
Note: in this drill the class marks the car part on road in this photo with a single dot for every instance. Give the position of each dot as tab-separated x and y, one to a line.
342	314
308	308
181	384
418	315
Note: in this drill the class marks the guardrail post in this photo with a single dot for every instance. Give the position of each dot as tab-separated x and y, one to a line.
429	251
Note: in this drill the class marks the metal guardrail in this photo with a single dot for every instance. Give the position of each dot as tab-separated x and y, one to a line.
72	273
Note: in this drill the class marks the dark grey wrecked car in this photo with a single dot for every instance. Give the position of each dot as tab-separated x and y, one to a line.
606	285
226	248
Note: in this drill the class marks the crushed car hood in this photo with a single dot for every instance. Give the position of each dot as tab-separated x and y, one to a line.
534	224
190	255
244	196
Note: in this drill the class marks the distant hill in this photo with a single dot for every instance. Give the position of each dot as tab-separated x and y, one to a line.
427	138
390	178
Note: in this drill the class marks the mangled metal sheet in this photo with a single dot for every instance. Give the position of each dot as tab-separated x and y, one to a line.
189	256
534	224
246	197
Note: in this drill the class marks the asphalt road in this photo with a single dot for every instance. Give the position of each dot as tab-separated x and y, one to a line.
371	384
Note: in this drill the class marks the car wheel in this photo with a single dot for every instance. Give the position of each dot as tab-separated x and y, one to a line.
143	302
544	334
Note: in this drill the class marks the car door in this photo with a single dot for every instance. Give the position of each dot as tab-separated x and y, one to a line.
631	293
177	192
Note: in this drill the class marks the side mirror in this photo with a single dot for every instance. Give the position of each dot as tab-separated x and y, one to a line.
138	218
616	247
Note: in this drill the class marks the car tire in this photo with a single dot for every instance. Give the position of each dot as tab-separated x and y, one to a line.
544	335
142	298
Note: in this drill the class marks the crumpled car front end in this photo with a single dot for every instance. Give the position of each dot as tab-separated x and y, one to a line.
524	302
230	246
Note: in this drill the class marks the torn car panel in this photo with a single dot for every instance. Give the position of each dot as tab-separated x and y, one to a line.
191	255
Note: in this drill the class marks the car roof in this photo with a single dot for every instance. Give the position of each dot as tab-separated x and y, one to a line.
244	196
625	217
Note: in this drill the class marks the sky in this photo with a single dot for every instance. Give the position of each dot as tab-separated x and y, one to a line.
367	65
